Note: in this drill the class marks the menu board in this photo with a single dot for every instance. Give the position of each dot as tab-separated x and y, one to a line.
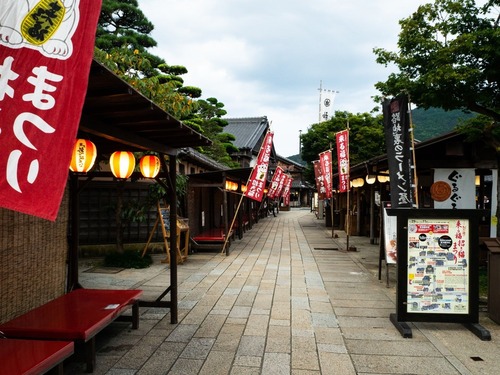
438	273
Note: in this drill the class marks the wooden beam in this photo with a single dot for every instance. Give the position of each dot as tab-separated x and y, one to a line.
98	128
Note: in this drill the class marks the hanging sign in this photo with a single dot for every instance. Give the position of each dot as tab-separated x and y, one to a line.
46	49
286	191
275	181
257	181
342	139
399	158
325	162
320	181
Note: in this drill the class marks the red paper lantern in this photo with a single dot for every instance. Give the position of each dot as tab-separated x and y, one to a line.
150	166
83	156
122	164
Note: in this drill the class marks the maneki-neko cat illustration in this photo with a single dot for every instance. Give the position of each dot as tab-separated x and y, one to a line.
43	25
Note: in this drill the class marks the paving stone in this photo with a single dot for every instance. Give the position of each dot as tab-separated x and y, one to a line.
303	343
248	361
324	320
217	363
403	365
305	360
335	364
278	339
197	348
257	325
229	337
276	364
403	348
251	346
240	312
186	366
242	370
211	326
183	333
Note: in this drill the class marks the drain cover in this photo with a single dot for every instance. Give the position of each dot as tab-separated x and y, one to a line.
477	359
326	248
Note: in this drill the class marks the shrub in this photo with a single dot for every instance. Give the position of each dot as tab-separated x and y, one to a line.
128	259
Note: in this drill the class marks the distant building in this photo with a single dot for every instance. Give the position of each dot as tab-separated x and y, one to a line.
249	133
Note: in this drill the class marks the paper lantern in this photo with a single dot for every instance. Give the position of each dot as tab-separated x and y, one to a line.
383	179
150	166
122	164
370	179
83	156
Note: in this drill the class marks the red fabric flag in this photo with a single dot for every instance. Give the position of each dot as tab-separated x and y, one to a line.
45	56
275	182
257	181
320	184
343	159
286	191
281	185
325	161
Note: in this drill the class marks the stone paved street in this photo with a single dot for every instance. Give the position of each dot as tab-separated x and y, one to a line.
288	300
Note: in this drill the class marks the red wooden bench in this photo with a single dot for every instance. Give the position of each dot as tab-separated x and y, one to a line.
210	239
33	357
76	316
211	235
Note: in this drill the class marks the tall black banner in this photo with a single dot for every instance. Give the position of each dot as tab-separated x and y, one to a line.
399	153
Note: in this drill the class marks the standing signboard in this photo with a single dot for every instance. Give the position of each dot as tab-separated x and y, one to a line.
438	279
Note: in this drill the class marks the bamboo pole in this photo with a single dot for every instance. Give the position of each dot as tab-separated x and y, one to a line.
226	239
414	163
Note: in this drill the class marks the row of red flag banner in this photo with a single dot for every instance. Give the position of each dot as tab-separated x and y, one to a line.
323	167
280	183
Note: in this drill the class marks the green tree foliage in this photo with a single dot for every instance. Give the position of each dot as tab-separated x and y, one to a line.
448	57
366	138
432	122
122	24
129	64
122	43
208	118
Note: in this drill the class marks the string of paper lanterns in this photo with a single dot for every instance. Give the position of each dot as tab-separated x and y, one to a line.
122	163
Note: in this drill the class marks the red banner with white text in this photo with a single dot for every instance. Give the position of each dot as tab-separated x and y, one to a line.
325	162
46	49
343	159
257	181
275	182
320	183
286	190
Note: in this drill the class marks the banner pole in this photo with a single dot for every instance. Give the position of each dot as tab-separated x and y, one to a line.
250	178
414	164
320	91
231	226
348	226
331	193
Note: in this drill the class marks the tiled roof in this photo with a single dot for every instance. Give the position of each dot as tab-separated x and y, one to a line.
290	161
203	160
247	131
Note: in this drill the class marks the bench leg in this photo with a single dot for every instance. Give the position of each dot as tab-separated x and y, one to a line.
57	370
135	315
89	348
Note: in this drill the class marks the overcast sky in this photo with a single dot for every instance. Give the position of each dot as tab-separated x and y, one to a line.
267	58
